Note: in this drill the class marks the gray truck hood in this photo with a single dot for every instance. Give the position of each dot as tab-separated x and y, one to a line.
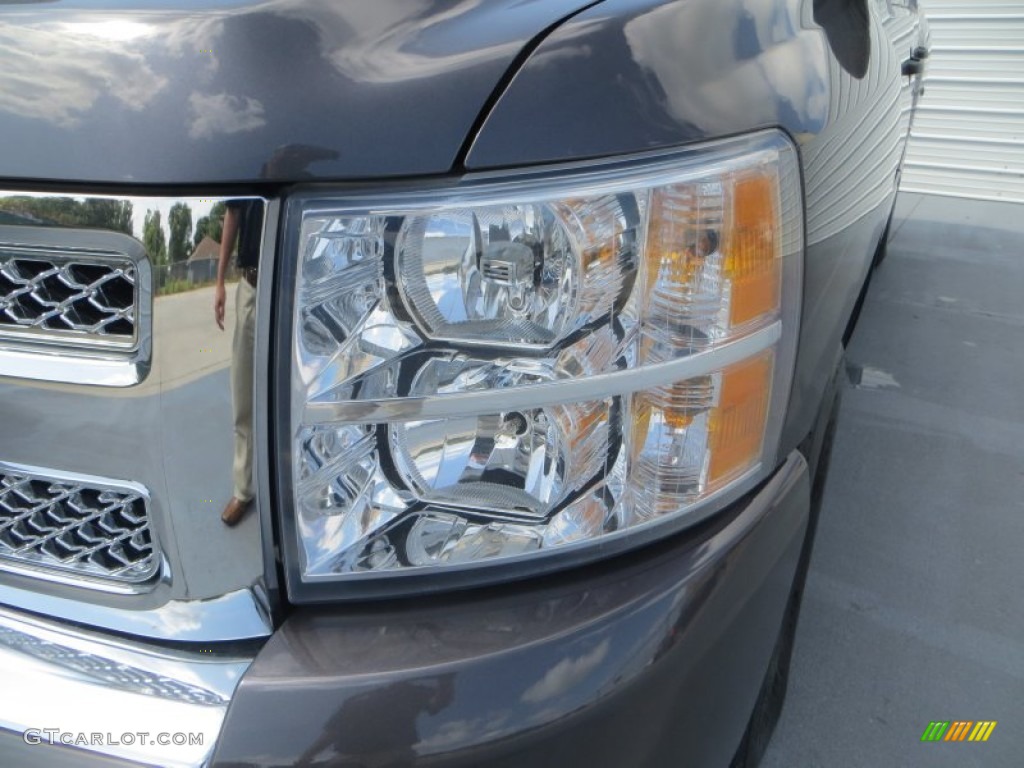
218	92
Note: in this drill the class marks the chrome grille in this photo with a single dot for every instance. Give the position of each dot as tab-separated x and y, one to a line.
67	297
74	526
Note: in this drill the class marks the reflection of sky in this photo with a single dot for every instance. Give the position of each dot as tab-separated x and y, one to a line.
513	664
564	677
714	92
380	42
161	92
129	83
43	76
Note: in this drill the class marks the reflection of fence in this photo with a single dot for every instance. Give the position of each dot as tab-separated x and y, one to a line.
187	275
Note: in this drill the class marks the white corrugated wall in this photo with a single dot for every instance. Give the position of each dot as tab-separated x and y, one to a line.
968	136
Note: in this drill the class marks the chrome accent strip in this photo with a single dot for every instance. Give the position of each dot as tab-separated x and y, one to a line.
550	393
262	432
238	615
63	367
68	357
159	571
75	682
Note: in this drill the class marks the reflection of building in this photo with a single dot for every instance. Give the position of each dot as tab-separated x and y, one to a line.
202	264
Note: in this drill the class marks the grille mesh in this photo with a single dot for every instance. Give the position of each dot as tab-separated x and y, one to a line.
75	528
67	297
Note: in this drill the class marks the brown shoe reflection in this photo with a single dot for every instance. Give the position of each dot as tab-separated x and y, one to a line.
234	511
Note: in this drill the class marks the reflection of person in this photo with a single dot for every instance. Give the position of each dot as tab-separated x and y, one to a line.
243	221
377	728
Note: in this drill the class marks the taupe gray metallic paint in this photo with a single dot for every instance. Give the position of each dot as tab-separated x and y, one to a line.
220	91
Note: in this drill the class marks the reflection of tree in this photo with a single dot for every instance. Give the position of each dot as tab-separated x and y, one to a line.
211	224
153	238
179	222
92	212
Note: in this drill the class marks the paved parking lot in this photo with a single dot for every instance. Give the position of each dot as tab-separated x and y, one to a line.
914	608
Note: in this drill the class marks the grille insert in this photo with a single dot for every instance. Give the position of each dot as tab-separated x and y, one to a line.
73	526
68	298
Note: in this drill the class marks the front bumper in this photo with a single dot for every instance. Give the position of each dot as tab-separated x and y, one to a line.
649	660
81	698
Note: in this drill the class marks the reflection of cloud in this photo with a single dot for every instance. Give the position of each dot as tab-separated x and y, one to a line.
384	61
176	619
460	733
564	675
53	74
712	90
556	56
455	733
223	113
201	33
393	43
119	31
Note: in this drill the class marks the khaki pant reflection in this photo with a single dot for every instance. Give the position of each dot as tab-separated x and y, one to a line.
241	387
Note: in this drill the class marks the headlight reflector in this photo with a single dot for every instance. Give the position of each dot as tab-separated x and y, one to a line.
492	373
518	274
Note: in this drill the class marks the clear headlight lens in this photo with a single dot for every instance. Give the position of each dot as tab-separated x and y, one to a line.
488	374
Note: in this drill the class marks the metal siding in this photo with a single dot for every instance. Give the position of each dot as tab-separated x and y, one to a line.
968	137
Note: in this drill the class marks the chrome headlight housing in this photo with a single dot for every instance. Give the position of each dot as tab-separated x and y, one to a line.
506	375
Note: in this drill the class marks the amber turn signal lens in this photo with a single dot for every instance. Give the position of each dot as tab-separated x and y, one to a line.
714	256
753	258
737	424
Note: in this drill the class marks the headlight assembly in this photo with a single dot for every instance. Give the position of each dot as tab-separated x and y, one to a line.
508	375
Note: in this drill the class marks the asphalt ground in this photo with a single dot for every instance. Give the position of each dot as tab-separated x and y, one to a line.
914	607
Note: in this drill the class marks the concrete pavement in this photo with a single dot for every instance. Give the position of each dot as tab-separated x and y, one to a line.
914	608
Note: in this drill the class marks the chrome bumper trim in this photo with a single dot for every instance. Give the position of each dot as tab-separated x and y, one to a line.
238	615
72	682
